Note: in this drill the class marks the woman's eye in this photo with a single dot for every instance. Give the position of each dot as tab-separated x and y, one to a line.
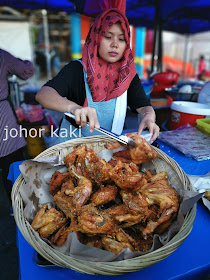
107	37
122	39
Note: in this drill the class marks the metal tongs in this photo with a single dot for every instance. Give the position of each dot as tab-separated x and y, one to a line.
121	138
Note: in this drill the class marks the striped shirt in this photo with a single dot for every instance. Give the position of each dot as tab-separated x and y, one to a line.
11	138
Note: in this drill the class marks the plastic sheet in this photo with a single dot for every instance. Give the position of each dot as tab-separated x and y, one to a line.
188	140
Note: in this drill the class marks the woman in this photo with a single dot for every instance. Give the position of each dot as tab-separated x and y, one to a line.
108	85
11	147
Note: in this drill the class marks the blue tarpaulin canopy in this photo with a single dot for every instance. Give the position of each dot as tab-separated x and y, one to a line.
181	16
184	17
54	5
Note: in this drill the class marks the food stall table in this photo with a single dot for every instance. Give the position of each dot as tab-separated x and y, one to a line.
190	261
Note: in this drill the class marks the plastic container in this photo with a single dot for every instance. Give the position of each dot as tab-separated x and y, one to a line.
158	91
178	95
166	78
204	94
162	81
204	125
35	142
147	85
183	112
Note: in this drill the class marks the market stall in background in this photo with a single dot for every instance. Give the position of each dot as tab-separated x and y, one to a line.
166	62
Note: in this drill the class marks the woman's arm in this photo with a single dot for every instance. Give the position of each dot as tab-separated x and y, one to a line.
138	101
148	121
49	98
23	69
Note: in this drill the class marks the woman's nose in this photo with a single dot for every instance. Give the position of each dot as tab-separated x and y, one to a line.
114	43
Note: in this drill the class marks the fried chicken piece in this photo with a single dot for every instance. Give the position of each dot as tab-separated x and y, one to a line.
90	240
123	216
70	198
63	200
112	146
89	164
141	244
93	221
137	205
47	221
127	176
118	241
158	177
147	174
64	203
122	236
104	195
84	187
134	201
135	232
56	181
165	196
123	156
94	241
143	152
69	184
164	226
96	168
59	238
144	244
76	158
113	245
112	162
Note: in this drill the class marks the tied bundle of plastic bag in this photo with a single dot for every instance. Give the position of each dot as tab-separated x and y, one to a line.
32	113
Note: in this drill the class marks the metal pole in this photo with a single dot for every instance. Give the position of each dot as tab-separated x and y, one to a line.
186	53
47	44
154	49
155	36
160	48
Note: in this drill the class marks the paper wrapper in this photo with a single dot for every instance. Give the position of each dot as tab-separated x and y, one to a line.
37	175
201	184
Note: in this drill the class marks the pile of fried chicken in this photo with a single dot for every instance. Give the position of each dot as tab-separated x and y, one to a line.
110	205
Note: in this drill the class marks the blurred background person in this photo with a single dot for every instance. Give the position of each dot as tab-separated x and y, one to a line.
201	67
11	145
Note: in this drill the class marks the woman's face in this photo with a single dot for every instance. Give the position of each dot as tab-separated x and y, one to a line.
113	44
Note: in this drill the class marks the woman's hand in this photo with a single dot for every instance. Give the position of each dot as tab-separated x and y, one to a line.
51	99
148	121
84	115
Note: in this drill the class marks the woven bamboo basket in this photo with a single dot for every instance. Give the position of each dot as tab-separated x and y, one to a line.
97	143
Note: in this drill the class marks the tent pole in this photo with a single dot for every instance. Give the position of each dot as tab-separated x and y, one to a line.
153	49
47	44
186	53
156	29
160	48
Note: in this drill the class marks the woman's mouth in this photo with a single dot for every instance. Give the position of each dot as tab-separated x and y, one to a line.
113	54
